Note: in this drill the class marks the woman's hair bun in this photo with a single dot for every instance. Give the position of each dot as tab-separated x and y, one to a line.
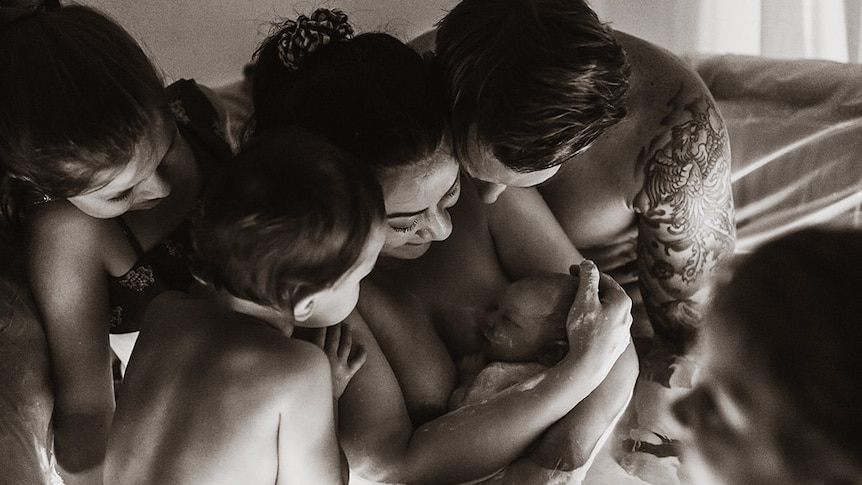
305	35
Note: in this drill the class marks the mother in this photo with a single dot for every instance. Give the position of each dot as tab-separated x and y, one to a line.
375	97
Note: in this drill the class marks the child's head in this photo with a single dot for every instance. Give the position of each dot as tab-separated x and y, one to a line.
779	396
528	323
374	97
530	83
294	224
81	104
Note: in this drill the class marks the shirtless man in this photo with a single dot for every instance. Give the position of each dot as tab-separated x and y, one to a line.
623	141
641	185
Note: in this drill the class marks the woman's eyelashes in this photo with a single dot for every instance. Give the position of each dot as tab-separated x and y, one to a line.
122	196
405	230
455	190
453	193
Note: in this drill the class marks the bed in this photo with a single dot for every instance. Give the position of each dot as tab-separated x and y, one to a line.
795	132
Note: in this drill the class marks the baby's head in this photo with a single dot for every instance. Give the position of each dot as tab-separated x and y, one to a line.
528	323
292	224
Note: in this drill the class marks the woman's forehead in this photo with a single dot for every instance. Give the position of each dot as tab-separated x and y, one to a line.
418	186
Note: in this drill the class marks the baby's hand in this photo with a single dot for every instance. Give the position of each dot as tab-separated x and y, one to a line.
468	368
344	358
470	365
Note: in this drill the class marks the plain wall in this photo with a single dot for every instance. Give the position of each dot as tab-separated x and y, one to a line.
210	40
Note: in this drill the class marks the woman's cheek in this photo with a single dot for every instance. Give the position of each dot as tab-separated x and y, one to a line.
394	240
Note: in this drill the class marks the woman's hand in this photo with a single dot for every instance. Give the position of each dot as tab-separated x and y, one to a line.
337	342
600	318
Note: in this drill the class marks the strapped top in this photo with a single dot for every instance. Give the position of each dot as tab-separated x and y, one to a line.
166	265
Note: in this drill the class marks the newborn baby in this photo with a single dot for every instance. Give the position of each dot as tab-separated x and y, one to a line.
523	335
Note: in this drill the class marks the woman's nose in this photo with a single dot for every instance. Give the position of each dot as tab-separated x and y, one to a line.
156	186
488	191
438	225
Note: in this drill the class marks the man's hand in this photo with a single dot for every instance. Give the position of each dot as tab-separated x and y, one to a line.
618	260
600	318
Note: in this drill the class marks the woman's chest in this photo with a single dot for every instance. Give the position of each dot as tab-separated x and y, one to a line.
460	278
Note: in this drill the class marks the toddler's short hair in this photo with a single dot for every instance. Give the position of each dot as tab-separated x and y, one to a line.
289	216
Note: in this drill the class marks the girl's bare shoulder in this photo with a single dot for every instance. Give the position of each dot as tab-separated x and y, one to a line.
60	226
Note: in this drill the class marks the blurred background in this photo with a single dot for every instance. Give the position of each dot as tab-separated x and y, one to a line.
787	29
210	40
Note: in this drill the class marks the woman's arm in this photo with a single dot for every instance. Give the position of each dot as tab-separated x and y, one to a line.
68	282
476	440
527	236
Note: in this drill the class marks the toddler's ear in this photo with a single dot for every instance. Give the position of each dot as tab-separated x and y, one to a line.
553	353
304	308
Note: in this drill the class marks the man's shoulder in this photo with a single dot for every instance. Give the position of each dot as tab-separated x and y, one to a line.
669	104
659	77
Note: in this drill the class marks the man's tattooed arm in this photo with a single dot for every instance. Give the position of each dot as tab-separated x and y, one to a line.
686	224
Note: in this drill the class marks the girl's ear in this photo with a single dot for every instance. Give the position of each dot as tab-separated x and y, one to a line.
304	308
553	353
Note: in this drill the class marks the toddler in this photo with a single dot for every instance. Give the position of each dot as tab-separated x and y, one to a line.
217	391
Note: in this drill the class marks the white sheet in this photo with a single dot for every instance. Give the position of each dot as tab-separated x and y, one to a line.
796	140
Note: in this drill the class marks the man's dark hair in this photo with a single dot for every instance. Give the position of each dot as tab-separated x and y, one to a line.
538	80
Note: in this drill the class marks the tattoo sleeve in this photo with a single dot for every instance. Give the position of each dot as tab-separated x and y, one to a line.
686	226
